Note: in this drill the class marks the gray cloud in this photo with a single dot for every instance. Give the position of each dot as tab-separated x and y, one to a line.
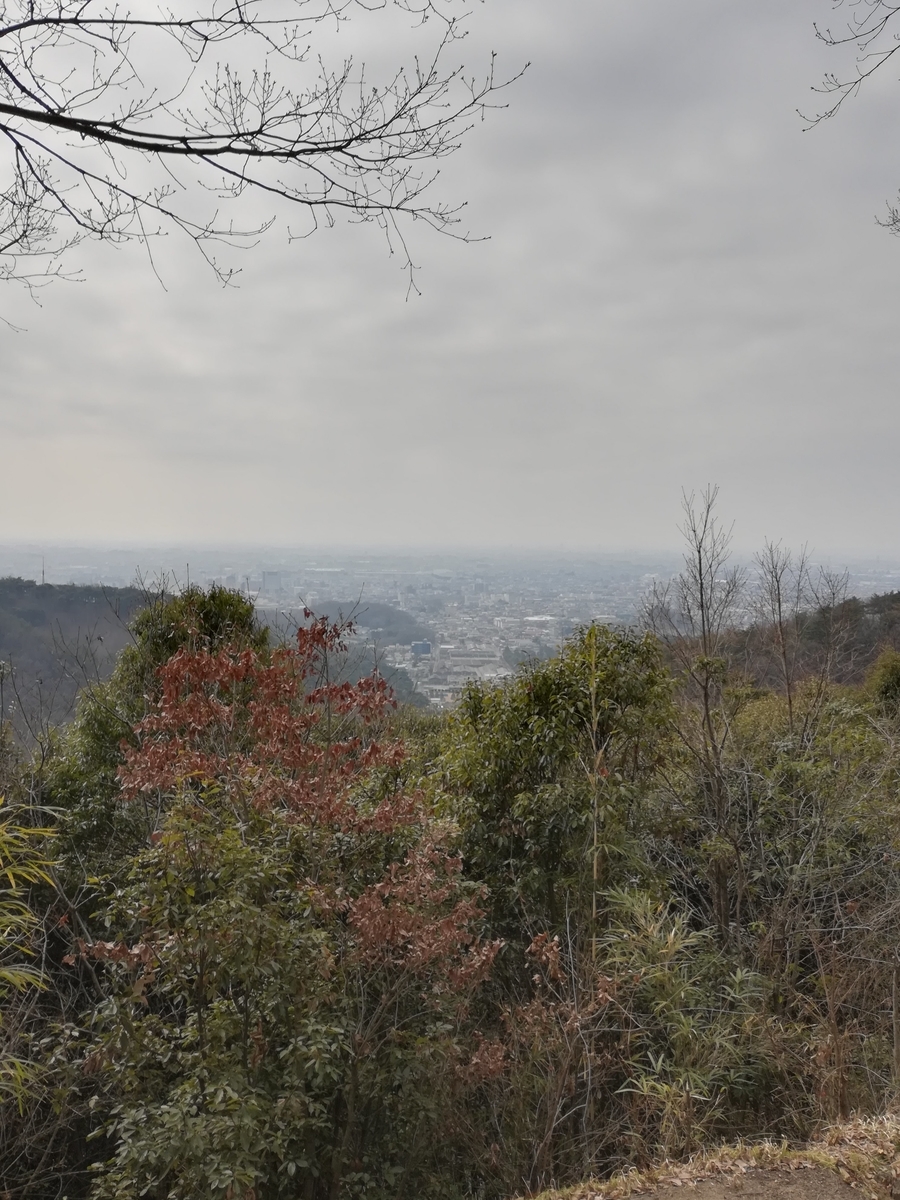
680	287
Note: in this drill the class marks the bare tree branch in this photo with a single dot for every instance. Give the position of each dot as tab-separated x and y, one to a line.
873	28
119	124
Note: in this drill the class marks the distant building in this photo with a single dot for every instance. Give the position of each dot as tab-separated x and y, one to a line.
421	648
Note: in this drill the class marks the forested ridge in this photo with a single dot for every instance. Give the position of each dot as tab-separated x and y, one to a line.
268	935
54	639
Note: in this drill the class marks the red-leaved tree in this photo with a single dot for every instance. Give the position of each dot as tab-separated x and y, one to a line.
295	957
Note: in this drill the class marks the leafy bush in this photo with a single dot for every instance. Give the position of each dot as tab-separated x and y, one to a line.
291	962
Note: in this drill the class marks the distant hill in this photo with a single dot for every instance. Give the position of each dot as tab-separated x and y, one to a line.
386	625
380	624
54	639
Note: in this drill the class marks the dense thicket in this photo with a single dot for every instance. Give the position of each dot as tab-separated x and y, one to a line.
284	940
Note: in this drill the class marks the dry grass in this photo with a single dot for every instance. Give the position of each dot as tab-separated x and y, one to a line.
863	1153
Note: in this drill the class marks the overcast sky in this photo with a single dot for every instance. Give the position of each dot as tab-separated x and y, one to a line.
680	287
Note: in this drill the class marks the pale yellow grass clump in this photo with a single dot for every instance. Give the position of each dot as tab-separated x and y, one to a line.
863	1153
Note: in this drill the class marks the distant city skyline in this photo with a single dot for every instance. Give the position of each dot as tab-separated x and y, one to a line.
432	620
340	572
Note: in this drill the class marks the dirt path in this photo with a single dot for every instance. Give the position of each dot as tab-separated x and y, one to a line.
815	1183
855	1160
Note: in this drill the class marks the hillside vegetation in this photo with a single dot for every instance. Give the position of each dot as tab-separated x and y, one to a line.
268	936
385	624
57	639
54	639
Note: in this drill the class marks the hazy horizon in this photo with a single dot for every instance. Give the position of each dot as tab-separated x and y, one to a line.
124	564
